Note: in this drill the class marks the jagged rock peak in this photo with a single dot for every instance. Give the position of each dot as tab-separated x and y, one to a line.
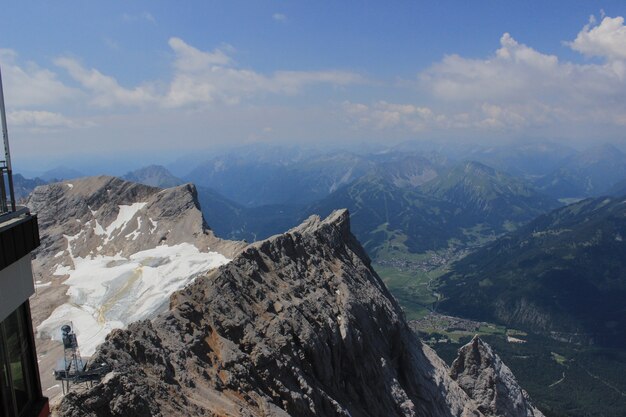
298	324
490	383
338	218
109	215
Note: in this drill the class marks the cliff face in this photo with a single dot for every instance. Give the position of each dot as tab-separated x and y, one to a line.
296	325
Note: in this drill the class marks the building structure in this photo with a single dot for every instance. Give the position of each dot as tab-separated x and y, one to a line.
20	387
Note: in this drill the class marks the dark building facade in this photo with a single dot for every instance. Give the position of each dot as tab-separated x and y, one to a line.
20	388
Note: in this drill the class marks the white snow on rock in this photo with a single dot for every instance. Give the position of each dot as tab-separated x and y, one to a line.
125	215
108	292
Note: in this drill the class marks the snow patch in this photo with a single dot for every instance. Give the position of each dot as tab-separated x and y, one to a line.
125	214
62	270
154	225
98	229
108	292
135	233
70	186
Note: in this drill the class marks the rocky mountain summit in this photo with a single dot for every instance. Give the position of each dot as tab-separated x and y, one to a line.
117	216
298	324
112	252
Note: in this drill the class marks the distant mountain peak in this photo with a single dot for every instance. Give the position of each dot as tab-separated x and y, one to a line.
61	173
477	168
154	175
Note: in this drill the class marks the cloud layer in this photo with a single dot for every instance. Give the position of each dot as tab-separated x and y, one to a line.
516	88
199	77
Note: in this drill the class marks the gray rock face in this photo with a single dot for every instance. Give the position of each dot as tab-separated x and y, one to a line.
490	383
298	324
82	221
91	205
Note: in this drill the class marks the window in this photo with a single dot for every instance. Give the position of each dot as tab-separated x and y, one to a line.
18	381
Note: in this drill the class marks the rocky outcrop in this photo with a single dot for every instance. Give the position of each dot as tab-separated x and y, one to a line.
112	252
490	383
299	324
146	217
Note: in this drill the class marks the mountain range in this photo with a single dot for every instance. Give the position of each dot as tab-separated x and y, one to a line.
562	274
586	174
402	202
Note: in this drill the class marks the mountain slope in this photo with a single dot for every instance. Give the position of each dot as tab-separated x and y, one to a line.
618	189
384	214
155	176
112	251
589	173
460	206
296	325
527	160
253	182
24	186
564	273
495	196
61	173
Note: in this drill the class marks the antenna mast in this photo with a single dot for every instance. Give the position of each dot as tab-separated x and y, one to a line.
7	155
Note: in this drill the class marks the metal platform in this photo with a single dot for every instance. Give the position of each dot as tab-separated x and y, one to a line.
73	369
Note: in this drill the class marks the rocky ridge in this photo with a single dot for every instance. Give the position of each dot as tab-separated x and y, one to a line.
298	324
86	209
110	250
159	216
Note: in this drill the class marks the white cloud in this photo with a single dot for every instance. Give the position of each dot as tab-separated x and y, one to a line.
518	88
43	119
607	40
383	115
26	84
199	77
104	90
190	59
516	71
207	77
279	17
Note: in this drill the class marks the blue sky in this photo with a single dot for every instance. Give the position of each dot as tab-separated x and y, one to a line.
163	77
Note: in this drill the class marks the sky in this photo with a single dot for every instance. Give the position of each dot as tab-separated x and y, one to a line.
150	80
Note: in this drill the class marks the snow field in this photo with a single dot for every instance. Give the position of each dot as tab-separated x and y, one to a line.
108	292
